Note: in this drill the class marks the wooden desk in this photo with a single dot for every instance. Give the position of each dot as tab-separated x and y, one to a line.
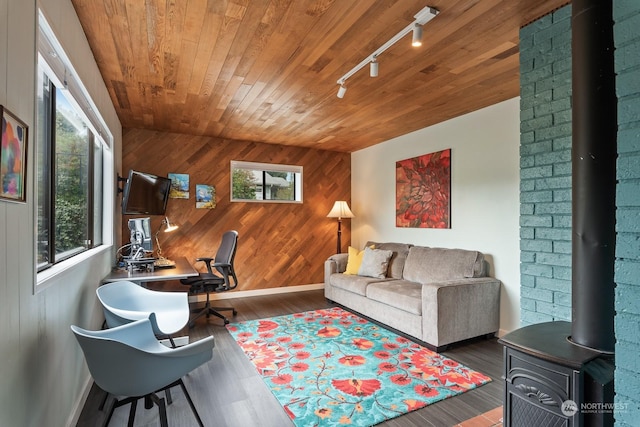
182	270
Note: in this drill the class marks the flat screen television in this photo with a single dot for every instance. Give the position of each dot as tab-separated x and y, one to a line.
145	194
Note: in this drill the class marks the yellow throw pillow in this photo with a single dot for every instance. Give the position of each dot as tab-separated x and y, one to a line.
354	260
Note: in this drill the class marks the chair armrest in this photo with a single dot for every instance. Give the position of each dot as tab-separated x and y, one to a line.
192	348
225	273
138	334
459	309
211	264
221	264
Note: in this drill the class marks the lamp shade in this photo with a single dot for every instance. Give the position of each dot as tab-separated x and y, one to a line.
340	210
168	225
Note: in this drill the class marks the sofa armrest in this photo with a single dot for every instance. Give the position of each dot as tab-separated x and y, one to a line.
334	264
460	309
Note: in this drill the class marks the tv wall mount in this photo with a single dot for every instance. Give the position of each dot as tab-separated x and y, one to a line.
123	180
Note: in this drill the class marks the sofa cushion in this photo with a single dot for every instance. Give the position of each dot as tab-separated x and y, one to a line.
354	261
401	294
356	284
396	263
428	265
375	263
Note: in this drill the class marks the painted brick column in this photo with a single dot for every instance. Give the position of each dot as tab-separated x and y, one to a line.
626	15
545	67
545	168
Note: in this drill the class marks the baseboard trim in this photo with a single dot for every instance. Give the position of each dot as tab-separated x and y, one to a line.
74	416
257	292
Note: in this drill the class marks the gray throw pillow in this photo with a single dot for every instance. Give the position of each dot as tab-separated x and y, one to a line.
375	263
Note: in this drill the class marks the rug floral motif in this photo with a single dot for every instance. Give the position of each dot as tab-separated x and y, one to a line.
330	367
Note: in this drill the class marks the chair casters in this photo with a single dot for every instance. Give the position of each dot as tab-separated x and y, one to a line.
216	312
225	320
208	311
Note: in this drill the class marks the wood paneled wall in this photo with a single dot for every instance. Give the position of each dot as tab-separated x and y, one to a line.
279	244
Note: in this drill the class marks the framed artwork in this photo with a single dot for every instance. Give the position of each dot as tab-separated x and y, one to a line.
179	185
205	196
423	191
13	157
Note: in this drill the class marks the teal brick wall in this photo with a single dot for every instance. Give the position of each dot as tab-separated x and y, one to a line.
545	184
627	269
545	169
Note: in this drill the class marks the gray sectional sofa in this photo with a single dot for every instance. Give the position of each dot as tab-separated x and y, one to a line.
439	296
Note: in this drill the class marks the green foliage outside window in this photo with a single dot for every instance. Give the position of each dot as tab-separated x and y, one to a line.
244	186
72	159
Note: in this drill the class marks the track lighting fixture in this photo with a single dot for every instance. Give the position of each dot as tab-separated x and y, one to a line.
417	35
341	91
373	68
421	18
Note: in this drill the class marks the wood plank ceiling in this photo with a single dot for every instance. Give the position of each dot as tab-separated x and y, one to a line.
266	70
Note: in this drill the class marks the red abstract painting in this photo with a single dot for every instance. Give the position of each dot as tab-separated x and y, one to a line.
423	191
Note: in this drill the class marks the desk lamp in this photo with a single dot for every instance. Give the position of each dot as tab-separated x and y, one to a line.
340	210
168	227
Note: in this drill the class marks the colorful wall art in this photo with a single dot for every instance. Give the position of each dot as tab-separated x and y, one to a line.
205	196
179	185
13	157
423	191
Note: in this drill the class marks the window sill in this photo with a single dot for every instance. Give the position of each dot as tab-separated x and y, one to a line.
299	202
44	279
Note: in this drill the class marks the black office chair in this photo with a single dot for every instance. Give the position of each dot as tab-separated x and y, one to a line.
218	281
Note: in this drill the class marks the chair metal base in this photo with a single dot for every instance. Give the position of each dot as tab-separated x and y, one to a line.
150	399
208	311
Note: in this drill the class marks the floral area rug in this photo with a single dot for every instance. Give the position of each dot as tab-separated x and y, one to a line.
331	367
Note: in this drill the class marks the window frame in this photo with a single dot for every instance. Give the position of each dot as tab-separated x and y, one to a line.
297	172
52	61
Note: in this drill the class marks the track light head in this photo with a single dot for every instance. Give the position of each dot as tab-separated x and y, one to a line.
373	68
341	91
417	35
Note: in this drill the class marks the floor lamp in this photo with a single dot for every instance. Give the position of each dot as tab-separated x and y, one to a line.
340	210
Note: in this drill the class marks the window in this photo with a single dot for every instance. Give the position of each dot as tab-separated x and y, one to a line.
69	160
262	182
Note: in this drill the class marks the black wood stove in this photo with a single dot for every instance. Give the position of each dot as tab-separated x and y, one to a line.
550	381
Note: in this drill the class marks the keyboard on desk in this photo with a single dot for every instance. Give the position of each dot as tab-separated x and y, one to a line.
164	263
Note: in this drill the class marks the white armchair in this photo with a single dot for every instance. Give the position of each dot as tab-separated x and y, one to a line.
124	302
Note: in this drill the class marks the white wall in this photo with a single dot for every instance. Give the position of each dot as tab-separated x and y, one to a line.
484	193
43	374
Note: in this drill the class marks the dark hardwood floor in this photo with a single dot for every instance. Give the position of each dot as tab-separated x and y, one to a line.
228	392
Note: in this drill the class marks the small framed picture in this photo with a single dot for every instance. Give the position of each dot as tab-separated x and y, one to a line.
205	196
13	157
179	185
